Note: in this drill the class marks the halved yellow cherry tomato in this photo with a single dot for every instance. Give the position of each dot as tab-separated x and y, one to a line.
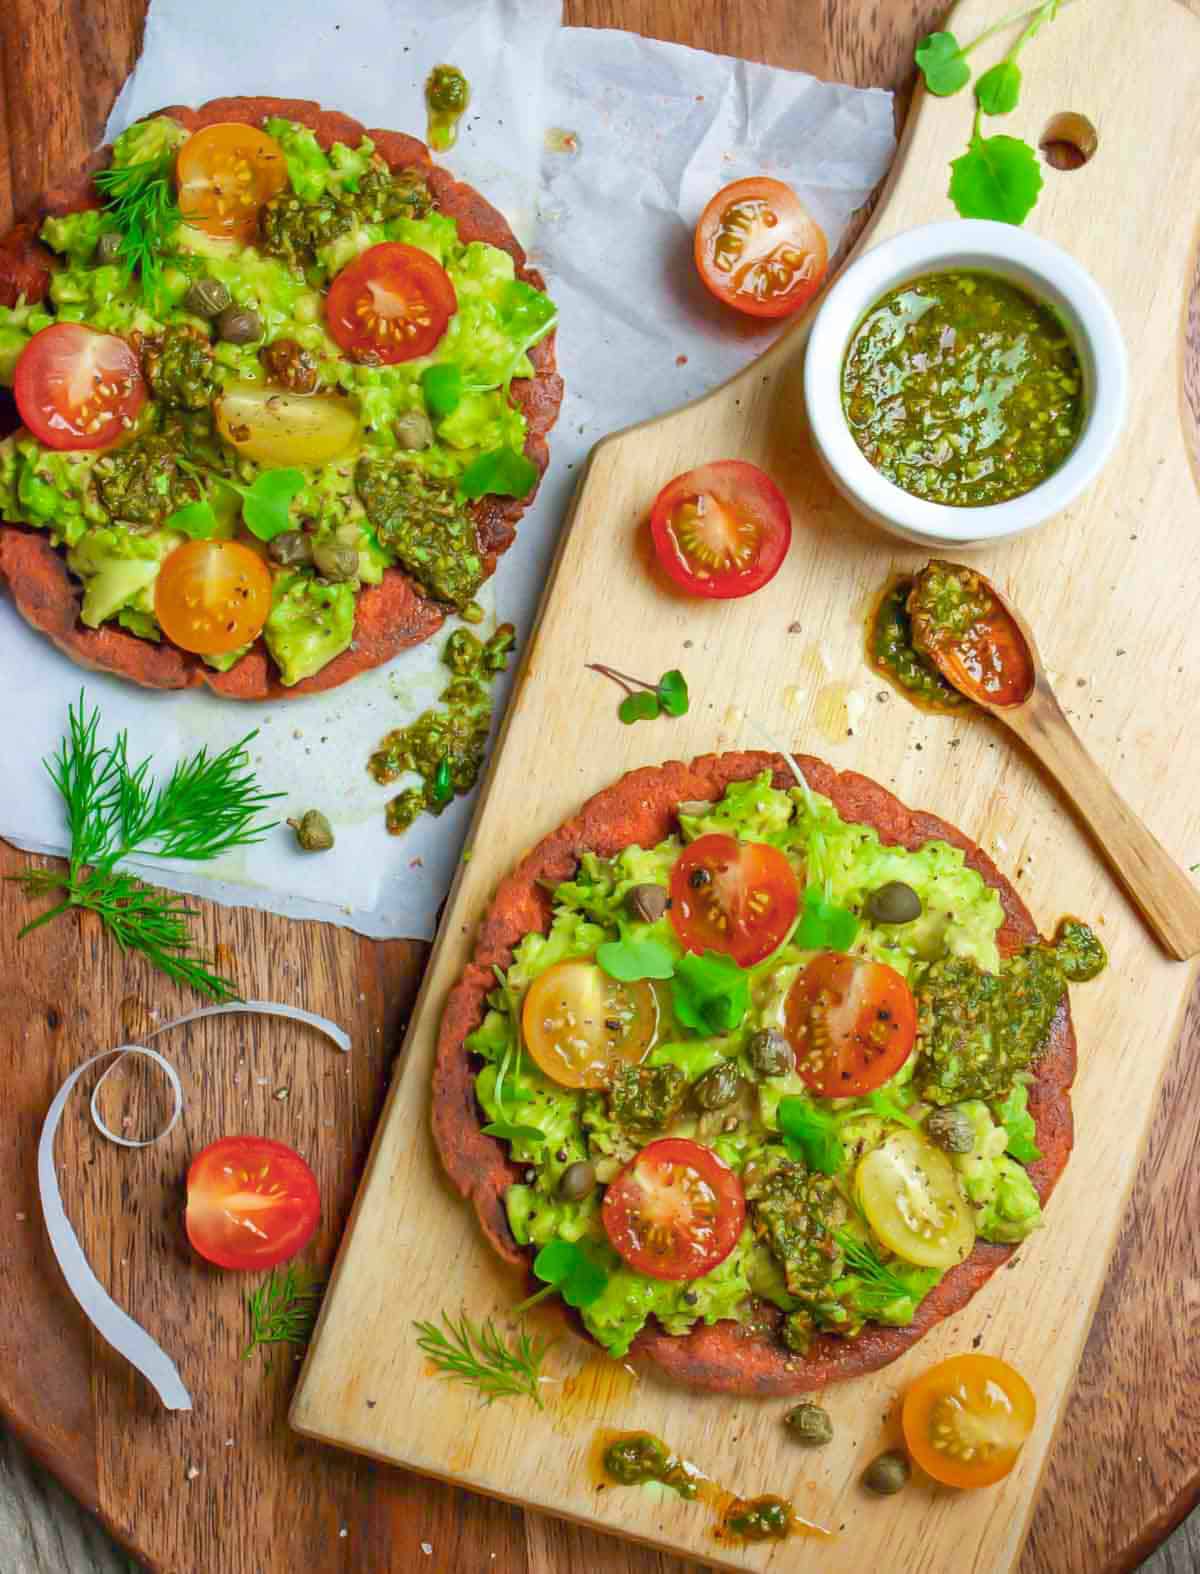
966	1420
578	1022
910	1194
280	428
225	174
212	597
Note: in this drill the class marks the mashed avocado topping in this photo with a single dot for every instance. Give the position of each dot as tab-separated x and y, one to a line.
820	1242
234	332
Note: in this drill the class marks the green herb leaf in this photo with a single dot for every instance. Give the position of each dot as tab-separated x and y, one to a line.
1013	1113
510	1132
883	1283
996	178
822	926
266	506
672	692
442	385
884	1105
476	1354
283	1310
502	472
194	519
639	707
810	1135
629	960
140	200
567	1267
941	63
999	88
709	993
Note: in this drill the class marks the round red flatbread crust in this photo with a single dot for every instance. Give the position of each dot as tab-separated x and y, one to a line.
640	809
390	616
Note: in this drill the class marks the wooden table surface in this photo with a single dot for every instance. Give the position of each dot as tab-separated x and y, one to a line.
1126	1466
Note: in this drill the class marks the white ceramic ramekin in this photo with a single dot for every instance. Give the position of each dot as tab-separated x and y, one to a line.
1048	273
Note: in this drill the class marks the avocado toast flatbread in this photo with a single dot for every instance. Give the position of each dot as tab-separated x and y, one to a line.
393	605
740	1351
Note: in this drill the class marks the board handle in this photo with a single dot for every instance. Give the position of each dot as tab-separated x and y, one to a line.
1166	897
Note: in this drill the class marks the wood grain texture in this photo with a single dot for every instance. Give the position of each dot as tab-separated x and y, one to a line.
1124	1468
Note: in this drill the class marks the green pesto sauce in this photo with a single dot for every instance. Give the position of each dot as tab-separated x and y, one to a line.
424	522
891	651
766	1518
447	94
639	1457
446	745
962	389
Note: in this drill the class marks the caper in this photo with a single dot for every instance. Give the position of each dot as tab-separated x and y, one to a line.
578	1181
894	903
290	549
646	903
810	1425
334	561
207	298
718	1087
314	834
771	1054
952	1130
413	429
888	1473
108	247
238	325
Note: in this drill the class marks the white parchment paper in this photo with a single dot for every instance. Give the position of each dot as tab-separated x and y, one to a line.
653	130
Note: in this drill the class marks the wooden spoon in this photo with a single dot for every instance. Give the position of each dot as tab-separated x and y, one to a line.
997	664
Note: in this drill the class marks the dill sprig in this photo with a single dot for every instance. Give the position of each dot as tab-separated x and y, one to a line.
283	1310
140	200
477	1354
881	1284
114	810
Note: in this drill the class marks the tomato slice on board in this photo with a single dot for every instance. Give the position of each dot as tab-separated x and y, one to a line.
910	1194
851	1022
736	897
212	597
76	388
966	1420
721	530
225	173
391	304
759	249
251	1202
578	1021
676	1211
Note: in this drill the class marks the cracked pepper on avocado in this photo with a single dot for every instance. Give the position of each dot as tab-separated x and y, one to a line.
266	372
772	1072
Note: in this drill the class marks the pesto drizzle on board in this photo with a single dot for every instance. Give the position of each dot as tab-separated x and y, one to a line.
447	94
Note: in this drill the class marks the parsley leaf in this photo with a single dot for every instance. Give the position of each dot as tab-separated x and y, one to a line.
996	178
671	692
999	88
567	1267
822	926
502	472
709	993
628	960
942	64
639	707
810	1135
1013	1113
194	519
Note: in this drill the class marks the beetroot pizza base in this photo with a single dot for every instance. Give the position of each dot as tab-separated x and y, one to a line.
640	809
389	617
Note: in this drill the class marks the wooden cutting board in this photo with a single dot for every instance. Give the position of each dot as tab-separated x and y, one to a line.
1112	590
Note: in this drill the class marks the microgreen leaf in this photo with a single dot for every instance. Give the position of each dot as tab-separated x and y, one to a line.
628	960
639	707
672	692
941	63
266	505
502	472
442	386
709	993
810	1135
194	519
999	88
823	926
1013	1113
509	1131
996	178
567	1267
883	1104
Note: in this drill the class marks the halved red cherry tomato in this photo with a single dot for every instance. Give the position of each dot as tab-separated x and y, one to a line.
391	304
721	530
851	1022
76	388
759	249
251	1203
225	174
212	597
676	1211
735	897
579	1023
966	1420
